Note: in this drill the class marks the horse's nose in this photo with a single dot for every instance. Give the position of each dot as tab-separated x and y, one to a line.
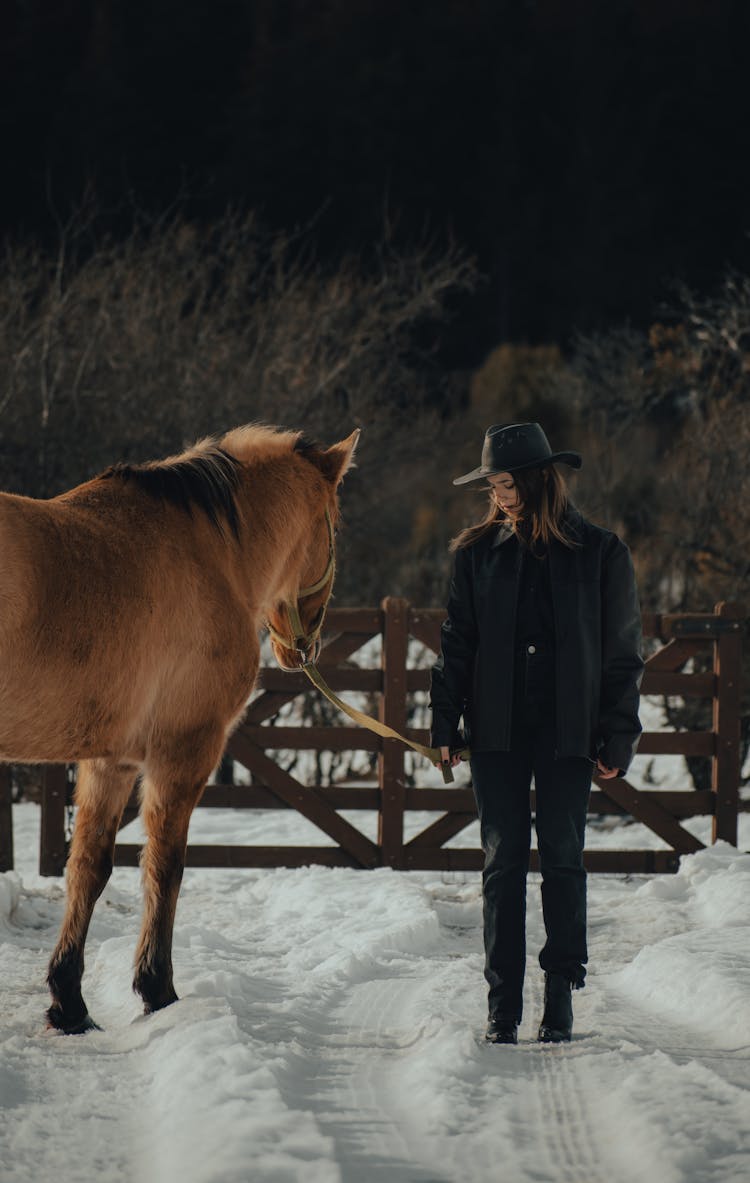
308	653
303	650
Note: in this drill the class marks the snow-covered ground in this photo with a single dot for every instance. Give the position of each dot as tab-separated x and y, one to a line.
330	1027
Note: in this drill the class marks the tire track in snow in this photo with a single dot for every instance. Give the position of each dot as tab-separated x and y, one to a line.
344	1075
553	1106
391	1023
561	1110
350	1050
386	1039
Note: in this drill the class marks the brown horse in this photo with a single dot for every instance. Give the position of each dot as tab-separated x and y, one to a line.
129	616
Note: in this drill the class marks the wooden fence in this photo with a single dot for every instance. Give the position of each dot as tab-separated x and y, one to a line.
681	638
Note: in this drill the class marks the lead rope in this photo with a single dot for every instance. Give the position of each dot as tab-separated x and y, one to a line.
301	640
431	754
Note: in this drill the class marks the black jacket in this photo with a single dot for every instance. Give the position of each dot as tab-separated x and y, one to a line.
598	666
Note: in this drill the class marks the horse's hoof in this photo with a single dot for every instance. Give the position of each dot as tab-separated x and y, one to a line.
56	1021
152	1005
155	989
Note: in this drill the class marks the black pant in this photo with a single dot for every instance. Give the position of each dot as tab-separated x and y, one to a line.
502	781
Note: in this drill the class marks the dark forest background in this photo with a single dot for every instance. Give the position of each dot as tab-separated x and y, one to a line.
418	218
589	154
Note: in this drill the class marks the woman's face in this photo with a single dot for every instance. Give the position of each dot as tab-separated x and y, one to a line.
505	492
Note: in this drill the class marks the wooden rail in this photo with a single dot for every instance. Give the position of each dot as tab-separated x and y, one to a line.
682	637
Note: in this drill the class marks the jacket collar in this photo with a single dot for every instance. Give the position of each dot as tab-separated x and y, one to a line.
504	532
573	520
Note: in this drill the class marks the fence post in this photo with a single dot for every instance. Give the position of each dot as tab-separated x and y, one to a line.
52	847
725	766
6	819
391	775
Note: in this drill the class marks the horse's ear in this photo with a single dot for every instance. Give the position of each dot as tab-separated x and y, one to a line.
336	460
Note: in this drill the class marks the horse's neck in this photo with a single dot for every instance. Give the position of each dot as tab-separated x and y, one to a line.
276	549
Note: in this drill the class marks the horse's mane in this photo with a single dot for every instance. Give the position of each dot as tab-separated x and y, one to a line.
259	442
206	476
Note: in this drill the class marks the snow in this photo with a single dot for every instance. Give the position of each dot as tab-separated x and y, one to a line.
330	1026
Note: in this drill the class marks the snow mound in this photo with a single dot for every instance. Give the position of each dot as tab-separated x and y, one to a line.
198	1056
699	977
343	924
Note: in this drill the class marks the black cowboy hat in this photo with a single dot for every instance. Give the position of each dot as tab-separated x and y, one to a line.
511	446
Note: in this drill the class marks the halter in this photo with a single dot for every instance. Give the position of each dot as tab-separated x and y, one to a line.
298	639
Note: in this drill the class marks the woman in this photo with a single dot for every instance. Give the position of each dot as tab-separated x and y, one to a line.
541	656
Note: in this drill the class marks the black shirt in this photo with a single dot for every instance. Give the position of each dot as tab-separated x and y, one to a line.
535	617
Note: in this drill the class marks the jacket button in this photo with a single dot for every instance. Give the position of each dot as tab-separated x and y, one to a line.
531	649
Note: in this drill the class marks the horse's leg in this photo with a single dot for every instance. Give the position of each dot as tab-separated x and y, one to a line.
173	784
102	792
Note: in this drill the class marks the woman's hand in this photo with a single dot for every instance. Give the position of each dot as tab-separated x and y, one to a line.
446	755
604	772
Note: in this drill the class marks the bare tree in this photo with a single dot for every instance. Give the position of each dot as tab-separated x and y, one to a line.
129	348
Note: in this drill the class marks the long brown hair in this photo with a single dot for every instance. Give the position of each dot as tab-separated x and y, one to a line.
544	499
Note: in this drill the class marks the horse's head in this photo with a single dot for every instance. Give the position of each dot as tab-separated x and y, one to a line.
295	623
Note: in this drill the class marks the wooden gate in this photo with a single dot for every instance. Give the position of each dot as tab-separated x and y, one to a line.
681	637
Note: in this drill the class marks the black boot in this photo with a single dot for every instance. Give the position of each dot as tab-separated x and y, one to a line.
501	1030
557	1020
